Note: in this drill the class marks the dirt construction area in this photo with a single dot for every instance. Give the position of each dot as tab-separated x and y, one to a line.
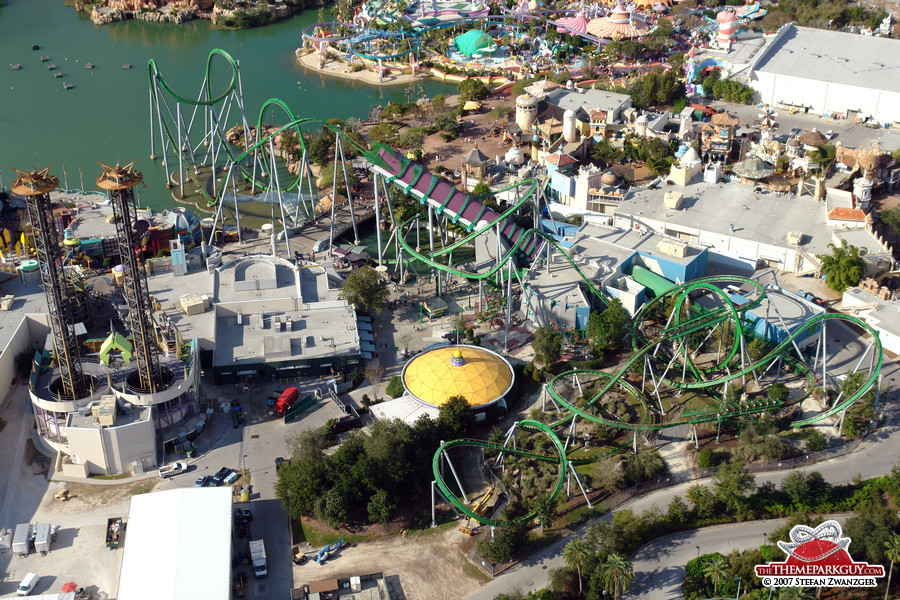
430	564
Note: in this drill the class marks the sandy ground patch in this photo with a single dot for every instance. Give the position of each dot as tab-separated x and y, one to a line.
431	564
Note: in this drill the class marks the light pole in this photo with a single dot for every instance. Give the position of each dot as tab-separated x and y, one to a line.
765	539
738	579
698	551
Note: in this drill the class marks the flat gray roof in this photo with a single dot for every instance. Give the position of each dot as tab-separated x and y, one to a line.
29	299
860	238
793	309
834	56
256	277
135	415
587	100
882	314
168	290
642	242
763	218
746	45
323	329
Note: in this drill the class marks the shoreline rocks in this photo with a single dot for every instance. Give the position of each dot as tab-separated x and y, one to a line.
163	11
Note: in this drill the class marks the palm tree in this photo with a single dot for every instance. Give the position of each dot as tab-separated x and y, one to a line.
715	570
616	574
892	545
575	554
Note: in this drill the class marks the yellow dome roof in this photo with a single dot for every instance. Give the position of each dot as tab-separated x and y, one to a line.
483	379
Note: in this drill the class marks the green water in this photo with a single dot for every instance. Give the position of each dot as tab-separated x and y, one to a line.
106	117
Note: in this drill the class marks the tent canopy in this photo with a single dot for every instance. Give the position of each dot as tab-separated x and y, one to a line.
473	41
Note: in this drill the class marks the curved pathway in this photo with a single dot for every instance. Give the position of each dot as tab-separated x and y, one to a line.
875	456
659	565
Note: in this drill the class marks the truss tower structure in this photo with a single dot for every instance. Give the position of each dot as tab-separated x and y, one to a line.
36	187
119	182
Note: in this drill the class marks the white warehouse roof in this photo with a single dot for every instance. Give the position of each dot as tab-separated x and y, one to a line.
834	56
178	546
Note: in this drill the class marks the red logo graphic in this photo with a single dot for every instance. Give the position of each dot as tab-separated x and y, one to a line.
818	557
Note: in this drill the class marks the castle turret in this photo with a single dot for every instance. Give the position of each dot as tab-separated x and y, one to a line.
570	130
640	125
526	111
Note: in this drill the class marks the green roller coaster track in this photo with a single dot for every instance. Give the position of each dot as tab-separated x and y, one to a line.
155	75
679	331
527	425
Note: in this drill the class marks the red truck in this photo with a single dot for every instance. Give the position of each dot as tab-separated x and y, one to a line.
285	400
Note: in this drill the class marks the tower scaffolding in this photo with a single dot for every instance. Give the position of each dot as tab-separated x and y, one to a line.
119	182
36	187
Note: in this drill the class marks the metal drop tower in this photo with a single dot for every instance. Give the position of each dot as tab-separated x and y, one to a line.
119	182
36	187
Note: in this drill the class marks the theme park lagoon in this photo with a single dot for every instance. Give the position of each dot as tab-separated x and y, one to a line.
70	117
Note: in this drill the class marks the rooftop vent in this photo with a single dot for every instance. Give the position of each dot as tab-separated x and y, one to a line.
672	247
795	237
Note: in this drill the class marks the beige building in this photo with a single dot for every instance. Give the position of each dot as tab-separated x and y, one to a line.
109	436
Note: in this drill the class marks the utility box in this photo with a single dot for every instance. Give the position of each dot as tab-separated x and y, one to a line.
673	200
42	537
192	304
106	412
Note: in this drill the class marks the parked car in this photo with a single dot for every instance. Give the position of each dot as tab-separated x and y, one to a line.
172	469
203	481
220	476
231	477
794	131
829	134
28	584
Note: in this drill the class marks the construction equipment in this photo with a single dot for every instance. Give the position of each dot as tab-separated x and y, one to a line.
114	528
479	509
328	550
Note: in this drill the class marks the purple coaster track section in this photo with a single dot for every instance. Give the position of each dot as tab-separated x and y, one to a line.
445	198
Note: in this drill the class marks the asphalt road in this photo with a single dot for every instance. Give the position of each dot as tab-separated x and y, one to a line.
875	456
659	566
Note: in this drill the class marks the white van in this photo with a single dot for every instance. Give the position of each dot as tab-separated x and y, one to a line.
28	584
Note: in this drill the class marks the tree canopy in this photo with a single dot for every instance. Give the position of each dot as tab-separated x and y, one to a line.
472	89
606	330
656	88
326	178
455	417
366	290
547	345
844	267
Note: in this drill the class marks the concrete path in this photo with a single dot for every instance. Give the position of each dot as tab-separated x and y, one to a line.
659	566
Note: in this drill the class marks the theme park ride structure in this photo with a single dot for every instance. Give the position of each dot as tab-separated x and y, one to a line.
35	187
656	352
119	182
